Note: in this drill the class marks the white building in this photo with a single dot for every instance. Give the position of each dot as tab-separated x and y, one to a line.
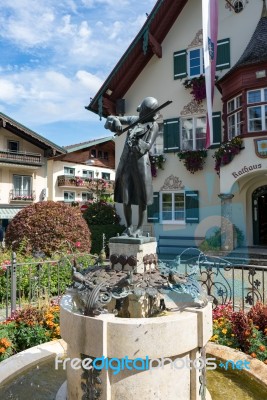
167	51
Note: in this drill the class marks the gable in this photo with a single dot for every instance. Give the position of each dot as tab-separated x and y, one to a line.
141	50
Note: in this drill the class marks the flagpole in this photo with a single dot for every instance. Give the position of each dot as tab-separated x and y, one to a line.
210	33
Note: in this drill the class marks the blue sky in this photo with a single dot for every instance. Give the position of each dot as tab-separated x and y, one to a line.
55	54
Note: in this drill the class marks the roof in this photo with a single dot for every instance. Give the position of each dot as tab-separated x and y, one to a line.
89	143
146	44
26	133
256	50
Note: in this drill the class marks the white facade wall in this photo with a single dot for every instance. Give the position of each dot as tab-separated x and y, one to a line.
157	80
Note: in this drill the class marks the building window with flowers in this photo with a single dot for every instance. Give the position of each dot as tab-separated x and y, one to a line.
193	133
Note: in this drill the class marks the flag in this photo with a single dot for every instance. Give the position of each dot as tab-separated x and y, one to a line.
210	33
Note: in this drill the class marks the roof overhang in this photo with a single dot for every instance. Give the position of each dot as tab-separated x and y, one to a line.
145	45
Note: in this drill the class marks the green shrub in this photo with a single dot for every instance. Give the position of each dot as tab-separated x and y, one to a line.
214	241
42	278
48	227
97	232
101	213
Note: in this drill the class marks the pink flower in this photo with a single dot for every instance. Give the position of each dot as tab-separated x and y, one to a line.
78	244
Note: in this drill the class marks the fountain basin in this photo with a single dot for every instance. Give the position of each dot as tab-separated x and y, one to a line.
180	335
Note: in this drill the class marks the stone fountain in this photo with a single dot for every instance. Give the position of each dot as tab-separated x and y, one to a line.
141	325
136	312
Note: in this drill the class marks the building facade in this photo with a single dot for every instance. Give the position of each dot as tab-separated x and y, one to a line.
23	167
165	61
85	169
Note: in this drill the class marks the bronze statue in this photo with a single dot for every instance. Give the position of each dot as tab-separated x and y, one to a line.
133	182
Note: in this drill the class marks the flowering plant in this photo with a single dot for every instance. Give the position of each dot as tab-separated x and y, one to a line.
156	162
226	152
198	87
29	327
23	197
245	331
3	267
193	159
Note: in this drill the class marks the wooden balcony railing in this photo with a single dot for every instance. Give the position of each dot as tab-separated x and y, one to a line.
90	184
21	157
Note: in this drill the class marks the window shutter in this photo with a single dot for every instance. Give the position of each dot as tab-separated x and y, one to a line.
171	135
217	128
153	209
179	64
192	206
223	54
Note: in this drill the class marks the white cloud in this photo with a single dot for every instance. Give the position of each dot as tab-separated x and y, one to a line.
55	54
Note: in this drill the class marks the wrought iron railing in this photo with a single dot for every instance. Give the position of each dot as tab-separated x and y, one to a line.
227	281
21	157
22	284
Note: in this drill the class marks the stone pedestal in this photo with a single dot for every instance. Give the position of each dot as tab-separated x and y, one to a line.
128	253
179	338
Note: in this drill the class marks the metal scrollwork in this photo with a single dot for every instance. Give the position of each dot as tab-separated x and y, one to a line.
96	287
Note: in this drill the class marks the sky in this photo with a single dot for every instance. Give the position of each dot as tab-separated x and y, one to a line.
55	54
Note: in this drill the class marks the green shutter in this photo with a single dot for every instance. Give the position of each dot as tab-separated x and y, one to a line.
179	64
171	135
217	129
153	209
192	206
223	54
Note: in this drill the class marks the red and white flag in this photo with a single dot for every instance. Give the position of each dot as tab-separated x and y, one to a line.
210	33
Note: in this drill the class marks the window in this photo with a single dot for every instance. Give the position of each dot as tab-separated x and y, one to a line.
22	185
174	207
99	154
157	147
87	173
234	117
86	196
69	171
238	6
193	132
105	155
190	62
13	146
195	62
93	153
69	196
257	114
106	176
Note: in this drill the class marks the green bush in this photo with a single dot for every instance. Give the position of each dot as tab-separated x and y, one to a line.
48	227
214	241
101	213
42	278
97	232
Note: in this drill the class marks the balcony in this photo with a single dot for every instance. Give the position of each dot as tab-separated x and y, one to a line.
21	196
21	157
89	184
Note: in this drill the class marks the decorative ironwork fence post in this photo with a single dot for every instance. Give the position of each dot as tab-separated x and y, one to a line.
13	281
